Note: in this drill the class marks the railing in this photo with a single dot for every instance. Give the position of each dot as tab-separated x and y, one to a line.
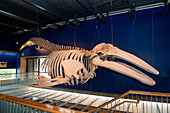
137	102
10	104
16	81
150	102
131	101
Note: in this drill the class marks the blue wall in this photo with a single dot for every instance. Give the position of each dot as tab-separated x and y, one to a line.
9	44
10	58
148	37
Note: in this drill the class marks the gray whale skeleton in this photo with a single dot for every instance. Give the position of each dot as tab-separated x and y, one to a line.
73	65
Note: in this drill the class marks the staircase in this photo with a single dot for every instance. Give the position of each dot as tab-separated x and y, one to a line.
129	102
70	100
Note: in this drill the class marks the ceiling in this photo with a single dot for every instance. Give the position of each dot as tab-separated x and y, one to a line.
23	15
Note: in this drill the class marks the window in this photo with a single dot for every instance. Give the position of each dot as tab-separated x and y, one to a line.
32	65
5	72
43	70
35	65
41	61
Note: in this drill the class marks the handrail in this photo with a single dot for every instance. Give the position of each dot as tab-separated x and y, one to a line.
137	102
124	94
37	105
132	92
150	93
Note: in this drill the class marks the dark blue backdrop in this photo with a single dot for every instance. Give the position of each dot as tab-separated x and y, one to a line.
10	58
148	37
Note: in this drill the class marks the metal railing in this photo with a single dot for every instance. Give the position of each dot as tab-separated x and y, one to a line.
16	81
150	102
131	101
10	104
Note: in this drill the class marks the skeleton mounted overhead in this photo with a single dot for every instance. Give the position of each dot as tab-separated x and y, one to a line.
73	65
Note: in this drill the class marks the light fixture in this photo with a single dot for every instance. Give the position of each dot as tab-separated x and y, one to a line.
101	18
75	22
132	14
54	26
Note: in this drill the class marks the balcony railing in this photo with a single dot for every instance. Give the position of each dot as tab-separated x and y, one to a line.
150	102
10	104
131	101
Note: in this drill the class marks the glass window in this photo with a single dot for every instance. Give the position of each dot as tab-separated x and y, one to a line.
5	72
43	70
35	64
30	65
41	67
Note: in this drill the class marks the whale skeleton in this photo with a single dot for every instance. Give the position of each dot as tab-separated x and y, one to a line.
74	65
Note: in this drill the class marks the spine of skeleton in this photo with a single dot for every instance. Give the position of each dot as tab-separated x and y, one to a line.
49	45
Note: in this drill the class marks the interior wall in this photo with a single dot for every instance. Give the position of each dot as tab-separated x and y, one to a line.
10	58
147	38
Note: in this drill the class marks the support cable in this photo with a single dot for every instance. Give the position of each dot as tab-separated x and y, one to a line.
36	12
96	33
94	38
75	34
97	30
111	4
153	40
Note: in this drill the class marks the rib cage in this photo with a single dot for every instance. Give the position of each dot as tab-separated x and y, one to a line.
52	65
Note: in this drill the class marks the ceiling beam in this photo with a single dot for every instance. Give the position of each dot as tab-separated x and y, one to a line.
7	37
48	8
20	10
87	5
18	17
11	26
96	5
4	32
17	23
130	3
103	2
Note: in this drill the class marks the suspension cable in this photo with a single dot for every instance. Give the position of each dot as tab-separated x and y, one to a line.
96	32
93	39
153	40
111	4
37	19
75	34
